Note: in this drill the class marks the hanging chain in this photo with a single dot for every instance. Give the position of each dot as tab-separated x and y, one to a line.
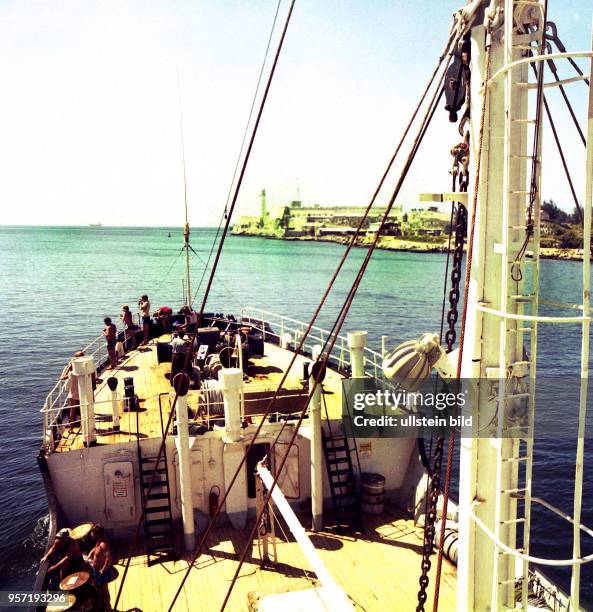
429	524
460	173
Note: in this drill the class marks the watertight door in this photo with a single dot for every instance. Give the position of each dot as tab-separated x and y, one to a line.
120	498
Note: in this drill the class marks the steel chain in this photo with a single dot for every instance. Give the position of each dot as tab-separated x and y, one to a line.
460	173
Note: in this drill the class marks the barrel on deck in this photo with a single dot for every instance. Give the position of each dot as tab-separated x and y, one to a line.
372	487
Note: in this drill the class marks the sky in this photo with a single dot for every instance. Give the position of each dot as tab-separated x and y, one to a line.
90	120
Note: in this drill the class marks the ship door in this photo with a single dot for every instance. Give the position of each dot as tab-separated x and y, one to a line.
120	498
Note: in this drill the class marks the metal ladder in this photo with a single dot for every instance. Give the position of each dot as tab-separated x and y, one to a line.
156	503
515	441
342	480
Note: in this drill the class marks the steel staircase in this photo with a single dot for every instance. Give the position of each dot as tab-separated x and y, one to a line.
342	480
156	500
156	503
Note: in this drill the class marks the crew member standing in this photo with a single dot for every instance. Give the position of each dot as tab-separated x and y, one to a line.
110	333
179	347
144	306
128	320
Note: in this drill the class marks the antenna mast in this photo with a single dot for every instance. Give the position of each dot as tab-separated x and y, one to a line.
186	232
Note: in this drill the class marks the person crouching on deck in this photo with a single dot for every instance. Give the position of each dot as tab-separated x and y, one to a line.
179	348
100	562
110	333
144	305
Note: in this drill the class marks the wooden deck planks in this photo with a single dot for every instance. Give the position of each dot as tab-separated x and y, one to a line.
379	570
150	381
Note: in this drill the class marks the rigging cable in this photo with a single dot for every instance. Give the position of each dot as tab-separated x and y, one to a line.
311	323
225	211
422	131
561	153
189	353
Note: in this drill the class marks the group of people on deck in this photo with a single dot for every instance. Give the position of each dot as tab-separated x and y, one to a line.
162	314
66	558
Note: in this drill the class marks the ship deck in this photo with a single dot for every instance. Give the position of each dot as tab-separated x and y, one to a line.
151	380
378	569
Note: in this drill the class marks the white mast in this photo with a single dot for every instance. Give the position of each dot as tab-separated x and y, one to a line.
496	468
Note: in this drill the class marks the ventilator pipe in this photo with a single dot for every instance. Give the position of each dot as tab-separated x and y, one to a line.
181	384
410	363
316	456
316	352
231	383
112	384
356	342
84	368
285	340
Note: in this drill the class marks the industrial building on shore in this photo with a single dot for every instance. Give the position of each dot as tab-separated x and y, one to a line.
295	220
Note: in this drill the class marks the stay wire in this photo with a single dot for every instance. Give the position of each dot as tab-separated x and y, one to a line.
428	117
189	353
563	159
225	212
313	319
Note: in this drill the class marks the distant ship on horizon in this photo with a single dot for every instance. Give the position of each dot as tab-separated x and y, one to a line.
95	225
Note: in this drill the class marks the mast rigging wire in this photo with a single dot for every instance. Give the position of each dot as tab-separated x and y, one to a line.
224	215
422	131
352	242
189	353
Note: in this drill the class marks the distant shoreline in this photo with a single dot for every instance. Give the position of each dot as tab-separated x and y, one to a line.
391	243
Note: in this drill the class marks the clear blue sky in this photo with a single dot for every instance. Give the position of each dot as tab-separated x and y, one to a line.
89	121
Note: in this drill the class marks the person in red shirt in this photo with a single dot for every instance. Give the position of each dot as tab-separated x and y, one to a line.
110	333
164	315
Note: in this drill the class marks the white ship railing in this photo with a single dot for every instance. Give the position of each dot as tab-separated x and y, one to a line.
57	399
273	327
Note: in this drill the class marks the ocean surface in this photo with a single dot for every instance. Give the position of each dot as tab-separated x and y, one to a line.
57	284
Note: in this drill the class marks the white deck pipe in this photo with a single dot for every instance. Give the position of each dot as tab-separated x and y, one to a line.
316	458
182	443
112	384
356	342
575	583
338	597
231	383
84	368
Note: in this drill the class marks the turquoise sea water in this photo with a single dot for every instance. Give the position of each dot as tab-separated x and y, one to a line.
57	284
